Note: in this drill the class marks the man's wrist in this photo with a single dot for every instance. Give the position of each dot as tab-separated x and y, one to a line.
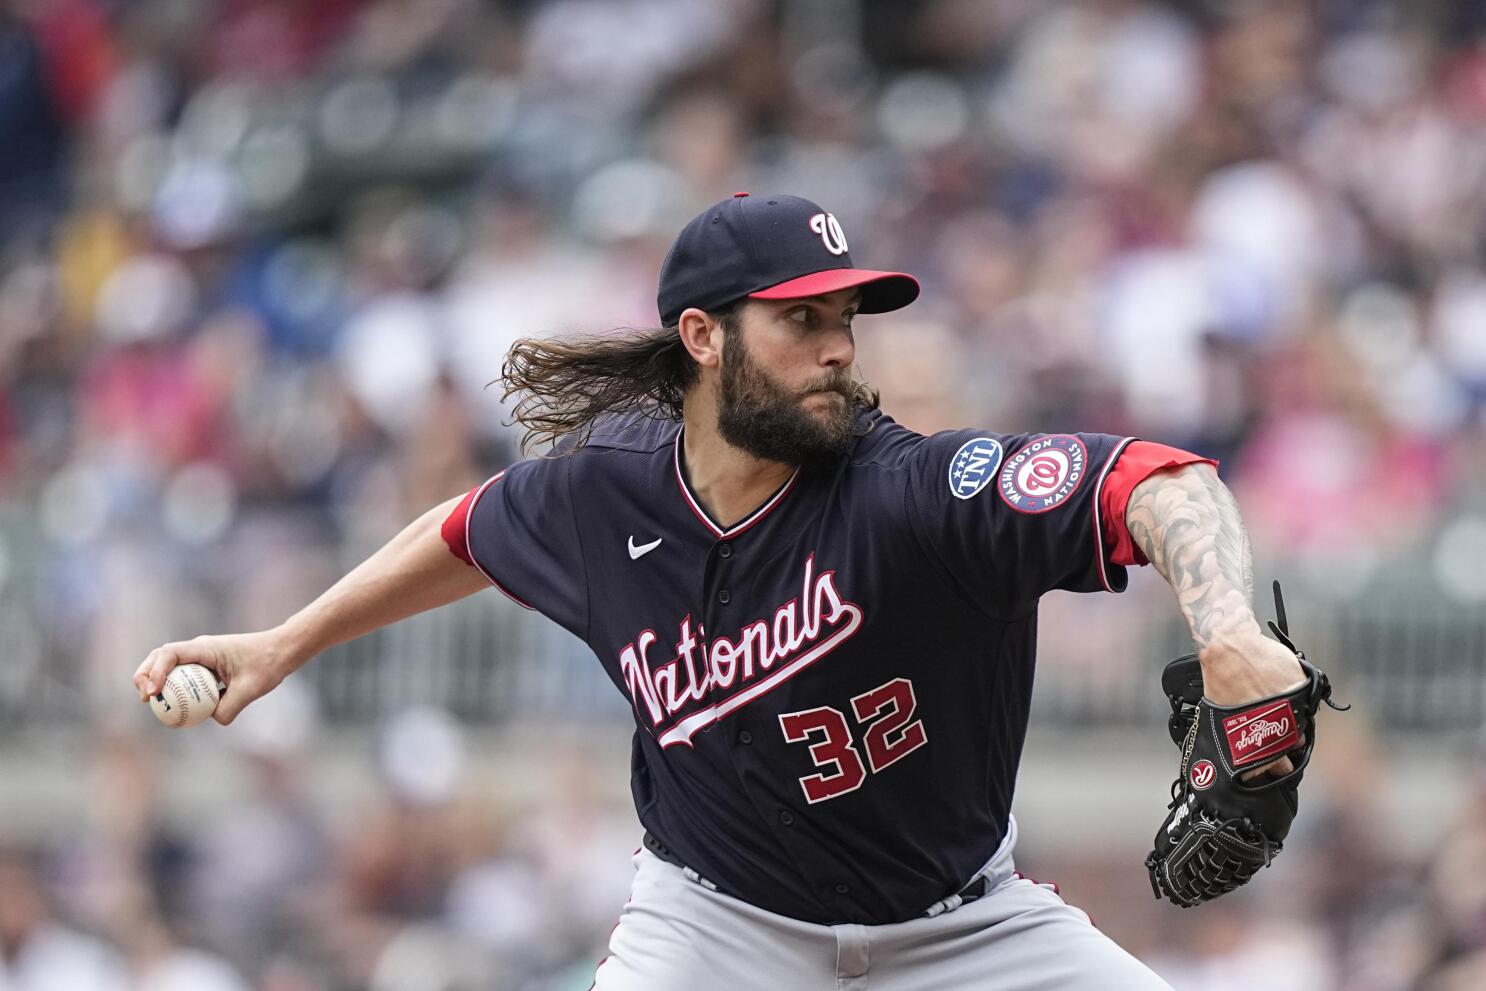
1236	638
292	647
1244	665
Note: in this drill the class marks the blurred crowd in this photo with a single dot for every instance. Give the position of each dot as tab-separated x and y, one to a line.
431	877
260	262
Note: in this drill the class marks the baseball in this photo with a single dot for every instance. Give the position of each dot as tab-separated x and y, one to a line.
189	695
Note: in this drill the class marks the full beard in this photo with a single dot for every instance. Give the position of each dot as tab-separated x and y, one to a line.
760	416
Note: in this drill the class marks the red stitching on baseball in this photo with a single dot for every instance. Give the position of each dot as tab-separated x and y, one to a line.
180	701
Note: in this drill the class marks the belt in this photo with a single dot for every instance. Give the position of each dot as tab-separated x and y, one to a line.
658	848
979	886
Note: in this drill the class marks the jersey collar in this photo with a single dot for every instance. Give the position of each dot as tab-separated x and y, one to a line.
707	521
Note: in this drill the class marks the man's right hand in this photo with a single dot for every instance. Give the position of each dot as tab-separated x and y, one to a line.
250	664
412	572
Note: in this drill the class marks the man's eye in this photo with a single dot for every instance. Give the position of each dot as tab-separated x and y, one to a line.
802	316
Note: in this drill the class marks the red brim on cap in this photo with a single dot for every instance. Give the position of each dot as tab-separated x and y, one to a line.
881	291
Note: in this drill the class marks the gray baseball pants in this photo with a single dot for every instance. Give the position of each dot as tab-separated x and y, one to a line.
676	935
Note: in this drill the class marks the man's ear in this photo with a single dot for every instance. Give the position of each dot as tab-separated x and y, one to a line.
701	335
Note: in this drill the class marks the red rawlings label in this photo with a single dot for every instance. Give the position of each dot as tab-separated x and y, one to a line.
1262	733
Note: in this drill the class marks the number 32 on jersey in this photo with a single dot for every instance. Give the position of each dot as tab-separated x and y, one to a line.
884	714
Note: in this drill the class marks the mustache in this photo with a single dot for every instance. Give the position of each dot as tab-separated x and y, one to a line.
840	383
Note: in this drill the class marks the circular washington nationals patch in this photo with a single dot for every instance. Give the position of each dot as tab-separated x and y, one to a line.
1203	775
1042	475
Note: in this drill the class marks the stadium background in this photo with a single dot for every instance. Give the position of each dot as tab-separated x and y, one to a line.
259	261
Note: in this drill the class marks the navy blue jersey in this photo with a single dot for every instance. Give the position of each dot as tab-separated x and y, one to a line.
831	695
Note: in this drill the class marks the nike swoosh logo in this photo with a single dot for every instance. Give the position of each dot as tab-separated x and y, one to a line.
635	553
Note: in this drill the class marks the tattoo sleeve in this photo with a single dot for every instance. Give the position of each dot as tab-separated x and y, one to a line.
1187	523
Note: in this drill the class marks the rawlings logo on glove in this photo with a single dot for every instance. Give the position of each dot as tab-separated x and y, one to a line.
1248	731
1221	829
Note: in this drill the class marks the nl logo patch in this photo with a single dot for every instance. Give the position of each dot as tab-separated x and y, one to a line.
973	466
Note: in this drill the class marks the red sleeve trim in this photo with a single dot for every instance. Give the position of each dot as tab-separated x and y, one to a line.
456	531
456	527
1136	463
1100	557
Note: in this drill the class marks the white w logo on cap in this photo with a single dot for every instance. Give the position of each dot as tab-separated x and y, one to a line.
830	232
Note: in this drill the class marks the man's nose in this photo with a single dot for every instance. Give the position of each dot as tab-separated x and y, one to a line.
840	350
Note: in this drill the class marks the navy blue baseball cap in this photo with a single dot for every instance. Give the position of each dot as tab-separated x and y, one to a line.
768	247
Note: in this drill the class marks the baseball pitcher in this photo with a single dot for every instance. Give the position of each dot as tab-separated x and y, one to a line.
826	625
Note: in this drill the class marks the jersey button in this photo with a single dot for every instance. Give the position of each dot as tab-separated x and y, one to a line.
787	818
724	596
843	889
745	738
725	551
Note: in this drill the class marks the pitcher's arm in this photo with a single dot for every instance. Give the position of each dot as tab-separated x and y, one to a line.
1187	524
411	573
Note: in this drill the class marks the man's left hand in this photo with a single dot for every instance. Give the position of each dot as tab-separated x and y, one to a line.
1247	666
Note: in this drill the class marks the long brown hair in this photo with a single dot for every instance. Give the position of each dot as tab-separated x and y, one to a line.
564	386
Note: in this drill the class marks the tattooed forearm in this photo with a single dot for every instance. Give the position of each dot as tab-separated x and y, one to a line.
1187	523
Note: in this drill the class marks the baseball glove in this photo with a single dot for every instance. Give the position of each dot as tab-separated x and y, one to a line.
1221	829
